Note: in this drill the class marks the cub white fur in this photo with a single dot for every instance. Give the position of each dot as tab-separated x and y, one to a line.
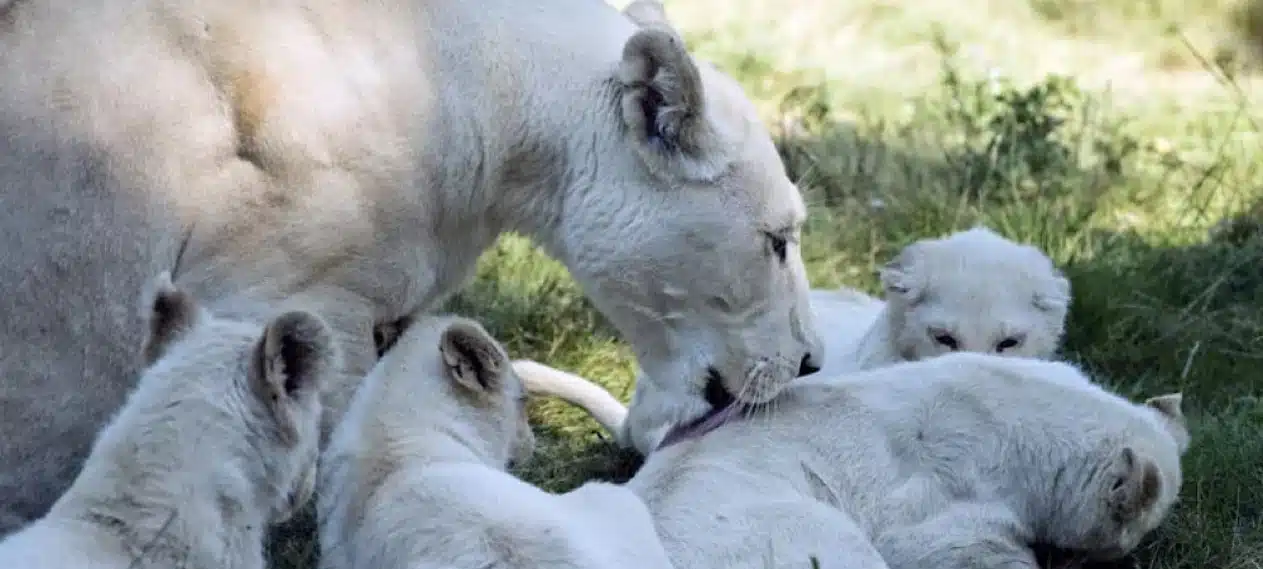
972	291
953	462
414	476
218	441
356	157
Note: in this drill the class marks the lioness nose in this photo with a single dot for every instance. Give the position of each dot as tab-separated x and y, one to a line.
807	366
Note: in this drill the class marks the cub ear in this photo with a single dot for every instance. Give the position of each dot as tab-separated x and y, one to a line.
292	360
1056	296
1135	487
474	359
1170	406
899	277
664	108
649	13
168	313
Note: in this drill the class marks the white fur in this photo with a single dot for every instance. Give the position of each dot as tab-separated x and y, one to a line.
402	489
953	462
218	441
974	288
357	157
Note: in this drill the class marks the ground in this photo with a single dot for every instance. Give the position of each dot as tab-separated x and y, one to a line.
1121	137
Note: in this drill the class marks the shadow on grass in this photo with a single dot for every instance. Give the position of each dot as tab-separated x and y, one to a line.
1187	318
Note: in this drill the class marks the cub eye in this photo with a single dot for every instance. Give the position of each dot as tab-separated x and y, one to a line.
1008	344
946	340
779	245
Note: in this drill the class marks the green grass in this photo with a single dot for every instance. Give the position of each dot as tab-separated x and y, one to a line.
1116	135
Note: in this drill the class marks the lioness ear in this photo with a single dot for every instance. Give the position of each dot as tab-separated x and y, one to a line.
1136	485
1170	406
291	361
649	13
168	313
474	359
1056	297
663	105
898	276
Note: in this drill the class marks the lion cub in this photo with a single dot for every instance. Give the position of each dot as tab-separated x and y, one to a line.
415	474
217	441
954	462
972	291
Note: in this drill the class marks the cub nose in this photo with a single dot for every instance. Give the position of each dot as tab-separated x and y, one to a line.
807	366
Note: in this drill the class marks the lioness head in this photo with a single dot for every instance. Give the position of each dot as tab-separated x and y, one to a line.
975	291
246	398
691	245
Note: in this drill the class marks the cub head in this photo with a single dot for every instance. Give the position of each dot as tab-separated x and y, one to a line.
1127	489
237	398
690	243
974	291
471	371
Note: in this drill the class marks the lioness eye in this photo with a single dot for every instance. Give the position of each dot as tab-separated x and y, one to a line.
1008	344
779	245
946	340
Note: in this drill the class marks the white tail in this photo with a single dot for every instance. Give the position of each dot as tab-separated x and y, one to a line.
544	380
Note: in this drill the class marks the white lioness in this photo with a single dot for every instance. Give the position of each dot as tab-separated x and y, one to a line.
356	157
954	462
218	441
414	476
973	291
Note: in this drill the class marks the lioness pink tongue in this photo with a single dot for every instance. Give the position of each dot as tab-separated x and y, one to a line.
706	424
